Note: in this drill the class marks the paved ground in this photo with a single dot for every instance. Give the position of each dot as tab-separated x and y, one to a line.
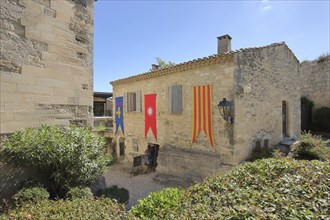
138	186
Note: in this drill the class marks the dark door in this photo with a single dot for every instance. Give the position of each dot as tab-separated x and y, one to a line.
154	154
122	147
284	119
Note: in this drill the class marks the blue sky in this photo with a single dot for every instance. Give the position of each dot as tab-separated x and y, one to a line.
129	35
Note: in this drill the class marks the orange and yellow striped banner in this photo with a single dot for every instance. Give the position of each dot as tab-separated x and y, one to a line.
202	112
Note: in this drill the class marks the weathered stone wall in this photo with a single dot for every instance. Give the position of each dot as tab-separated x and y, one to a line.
46	63
264	78
315	81
174	130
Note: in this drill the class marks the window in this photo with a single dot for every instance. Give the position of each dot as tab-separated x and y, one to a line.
98	109
132	102
135	145
175	99
266	143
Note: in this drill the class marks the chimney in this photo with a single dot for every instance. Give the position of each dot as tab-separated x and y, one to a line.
224	43
154	67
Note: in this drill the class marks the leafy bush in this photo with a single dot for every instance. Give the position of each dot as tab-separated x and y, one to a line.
310	148
323	57
322	119
119	194
31	195
159	204
260	153
102	208
68	156
305	101
79	193
265	189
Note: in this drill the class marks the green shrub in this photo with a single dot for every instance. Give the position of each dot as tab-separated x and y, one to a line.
121	195
310	148
102	208
67	156
264	189
261	153
159	205
79	193
305	101
321	119
100	127
323	57
31	195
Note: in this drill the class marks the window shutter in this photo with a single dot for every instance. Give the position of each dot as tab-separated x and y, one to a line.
177	99
125	104
138	101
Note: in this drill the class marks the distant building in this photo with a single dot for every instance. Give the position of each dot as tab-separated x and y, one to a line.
315	79
46	63
174	111
102	105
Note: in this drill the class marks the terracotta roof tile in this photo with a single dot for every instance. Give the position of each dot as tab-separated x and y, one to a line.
217	58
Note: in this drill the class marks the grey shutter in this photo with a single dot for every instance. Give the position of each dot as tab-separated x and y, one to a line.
138	101
175	99
125	104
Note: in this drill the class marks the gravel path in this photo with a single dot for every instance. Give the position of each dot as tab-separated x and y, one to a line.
138	186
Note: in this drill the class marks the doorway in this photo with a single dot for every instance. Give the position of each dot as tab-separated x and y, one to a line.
284	119
152	154
121	148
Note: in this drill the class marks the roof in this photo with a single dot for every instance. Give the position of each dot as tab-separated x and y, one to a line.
199	62
103	94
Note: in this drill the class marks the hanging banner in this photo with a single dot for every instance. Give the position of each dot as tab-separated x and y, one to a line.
119	114
202	112
150	114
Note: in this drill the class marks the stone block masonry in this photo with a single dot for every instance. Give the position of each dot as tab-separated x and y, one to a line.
315	81
46	63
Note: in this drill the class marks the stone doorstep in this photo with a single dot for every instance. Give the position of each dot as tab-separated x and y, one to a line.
287	143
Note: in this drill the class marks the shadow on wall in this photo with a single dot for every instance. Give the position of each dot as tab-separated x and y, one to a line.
189	164
11	177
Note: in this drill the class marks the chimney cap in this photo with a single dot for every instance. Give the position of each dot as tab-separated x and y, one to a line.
224	36
154	67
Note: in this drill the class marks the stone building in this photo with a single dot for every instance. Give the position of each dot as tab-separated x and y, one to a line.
259	82
46	63
315	81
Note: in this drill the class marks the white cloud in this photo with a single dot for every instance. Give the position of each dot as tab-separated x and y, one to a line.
264	1
266	8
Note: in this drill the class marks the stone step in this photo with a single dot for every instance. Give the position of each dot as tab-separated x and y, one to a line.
283	149
287	143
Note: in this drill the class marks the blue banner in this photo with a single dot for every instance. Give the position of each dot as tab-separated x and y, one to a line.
119	114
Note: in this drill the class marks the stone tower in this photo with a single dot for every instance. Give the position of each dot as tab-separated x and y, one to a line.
46	63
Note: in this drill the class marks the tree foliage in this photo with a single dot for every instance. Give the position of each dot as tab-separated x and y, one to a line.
102	208
68	156
163	64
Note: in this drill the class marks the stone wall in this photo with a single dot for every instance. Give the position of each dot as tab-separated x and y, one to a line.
264	78
46	63
315	81
174	130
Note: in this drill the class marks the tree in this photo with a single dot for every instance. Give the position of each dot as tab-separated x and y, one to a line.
163	64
